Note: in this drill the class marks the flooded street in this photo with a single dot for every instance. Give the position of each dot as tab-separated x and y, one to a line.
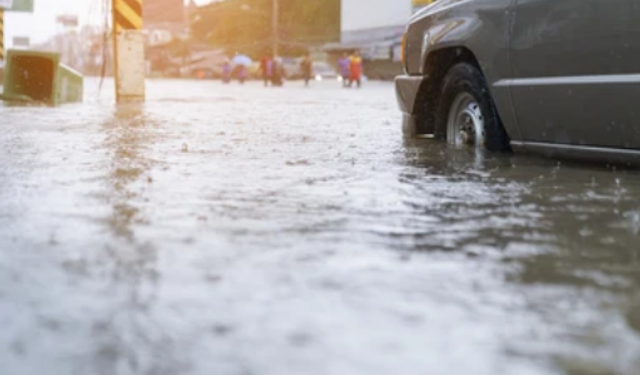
249	231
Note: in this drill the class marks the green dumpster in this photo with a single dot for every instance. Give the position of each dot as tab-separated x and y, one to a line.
35	76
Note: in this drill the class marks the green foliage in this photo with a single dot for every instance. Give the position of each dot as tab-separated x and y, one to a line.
246	25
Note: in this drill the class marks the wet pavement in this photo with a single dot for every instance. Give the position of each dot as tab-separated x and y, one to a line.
241	230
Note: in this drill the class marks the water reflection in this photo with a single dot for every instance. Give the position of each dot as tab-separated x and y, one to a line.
553	225
128	139
125	334
527	200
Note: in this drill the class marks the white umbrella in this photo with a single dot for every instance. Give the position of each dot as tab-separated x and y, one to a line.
241	60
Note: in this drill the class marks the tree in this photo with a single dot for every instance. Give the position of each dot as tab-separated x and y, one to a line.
245	25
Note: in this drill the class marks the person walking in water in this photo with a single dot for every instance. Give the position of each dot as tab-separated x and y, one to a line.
266	67
278	73
355	69
344	69
226	71
242	74
306	67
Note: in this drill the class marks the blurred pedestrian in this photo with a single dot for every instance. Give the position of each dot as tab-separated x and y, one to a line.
344	69
355	69
306	67
278	73
226	71
266	67
242	74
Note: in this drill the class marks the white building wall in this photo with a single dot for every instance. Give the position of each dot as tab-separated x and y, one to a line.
369	14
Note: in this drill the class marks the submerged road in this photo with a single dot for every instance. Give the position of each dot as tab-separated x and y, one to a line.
241	230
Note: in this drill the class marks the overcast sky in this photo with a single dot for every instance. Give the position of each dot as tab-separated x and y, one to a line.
41	25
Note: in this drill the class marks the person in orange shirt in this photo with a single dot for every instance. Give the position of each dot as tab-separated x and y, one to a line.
355	69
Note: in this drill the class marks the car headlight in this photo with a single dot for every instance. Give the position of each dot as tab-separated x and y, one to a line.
426	47
403	51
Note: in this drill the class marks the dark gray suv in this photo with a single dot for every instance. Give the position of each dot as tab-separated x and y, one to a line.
560	77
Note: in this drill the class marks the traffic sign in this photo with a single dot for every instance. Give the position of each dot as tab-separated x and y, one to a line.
6	4
17	5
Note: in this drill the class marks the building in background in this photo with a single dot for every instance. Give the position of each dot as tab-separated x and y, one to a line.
359	16
372	25
375	28
166	33
86	49
167	15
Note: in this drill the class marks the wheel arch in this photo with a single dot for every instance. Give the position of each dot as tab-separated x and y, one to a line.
435	67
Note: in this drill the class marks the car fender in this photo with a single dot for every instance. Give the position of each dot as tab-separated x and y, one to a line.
480	26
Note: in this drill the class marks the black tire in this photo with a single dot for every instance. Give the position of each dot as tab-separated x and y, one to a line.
466	78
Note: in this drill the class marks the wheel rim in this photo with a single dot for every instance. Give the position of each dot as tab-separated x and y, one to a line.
465	125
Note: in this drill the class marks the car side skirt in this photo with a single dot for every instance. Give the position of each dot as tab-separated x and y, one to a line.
580	153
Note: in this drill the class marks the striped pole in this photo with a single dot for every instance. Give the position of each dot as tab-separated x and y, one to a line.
128	51
1	34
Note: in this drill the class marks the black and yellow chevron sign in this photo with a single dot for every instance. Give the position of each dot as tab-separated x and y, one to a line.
1	34
127	14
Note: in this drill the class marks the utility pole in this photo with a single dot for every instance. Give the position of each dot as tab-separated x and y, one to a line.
1	36
128	40
274	28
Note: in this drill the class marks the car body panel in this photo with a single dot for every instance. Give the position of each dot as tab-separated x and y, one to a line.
609	155
407	88
574	73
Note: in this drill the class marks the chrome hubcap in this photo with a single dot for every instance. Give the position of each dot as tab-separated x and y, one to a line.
465	125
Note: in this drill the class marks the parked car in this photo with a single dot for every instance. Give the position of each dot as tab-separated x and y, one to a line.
291	68
558	77
204	65
323	71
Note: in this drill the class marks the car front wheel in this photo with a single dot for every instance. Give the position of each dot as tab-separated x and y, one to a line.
466	115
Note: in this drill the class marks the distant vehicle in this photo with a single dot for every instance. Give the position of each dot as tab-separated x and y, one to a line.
323	71
291	68
557	77
204	65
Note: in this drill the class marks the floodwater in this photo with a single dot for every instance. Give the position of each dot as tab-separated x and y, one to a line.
242	230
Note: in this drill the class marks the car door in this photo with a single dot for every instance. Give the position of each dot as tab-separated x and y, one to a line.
631	54
572	66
